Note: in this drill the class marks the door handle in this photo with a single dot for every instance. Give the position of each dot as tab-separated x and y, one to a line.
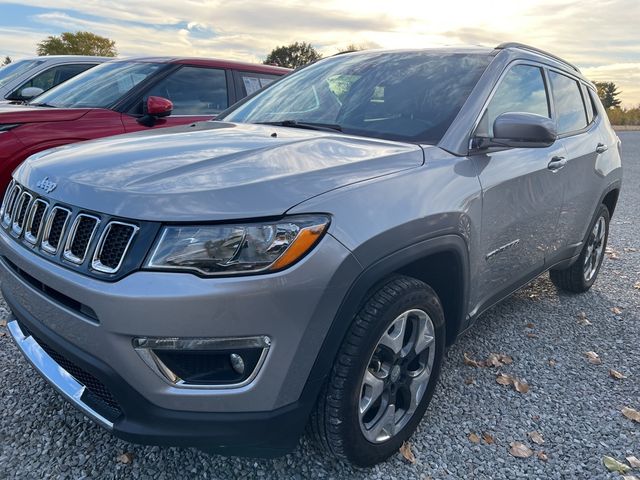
557	163
601	148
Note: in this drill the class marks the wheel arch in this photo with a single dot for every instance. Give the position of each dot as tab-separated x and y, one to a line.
419	261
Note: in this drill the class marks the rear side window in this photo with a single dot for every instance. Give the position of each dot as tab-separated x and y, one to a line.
570	108
194	91
252	82
588	102
522	89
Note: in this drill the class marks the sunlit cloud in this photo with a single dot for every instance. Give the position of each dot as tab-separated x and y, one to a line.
600	36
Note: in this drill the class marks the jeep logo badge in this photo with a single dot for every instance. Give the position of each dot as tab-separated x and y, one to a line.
46	185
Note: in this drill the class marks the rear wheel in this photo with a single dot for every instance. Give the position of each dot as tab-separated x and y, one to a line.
384	375
580	276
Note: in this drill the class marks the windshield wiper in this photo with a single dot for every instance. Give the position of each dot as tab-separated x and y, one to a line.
326	127
42	105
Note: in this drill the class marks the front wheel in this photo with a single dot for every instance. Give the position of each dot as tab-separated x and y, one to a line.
384	375
580	276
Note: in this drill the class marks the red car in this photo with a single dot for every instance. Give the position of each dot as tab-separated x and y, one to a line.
124	96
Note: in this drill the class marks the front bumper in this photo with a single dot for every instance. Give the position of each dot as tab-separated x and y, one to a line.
295	308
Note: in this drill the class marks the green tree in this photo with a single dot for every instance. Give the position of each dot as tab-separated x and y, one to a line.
608	93
294	55
79	43
6	61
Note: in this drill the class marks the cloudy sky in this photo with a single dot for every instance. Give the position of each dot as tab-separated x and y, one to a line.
600	36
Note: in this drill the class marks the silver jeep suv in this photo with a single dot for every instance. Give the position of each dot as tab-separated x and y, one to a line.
305	259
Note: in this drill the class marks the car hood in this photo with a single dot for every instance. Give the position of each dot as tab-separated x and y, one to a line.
29	114
211	170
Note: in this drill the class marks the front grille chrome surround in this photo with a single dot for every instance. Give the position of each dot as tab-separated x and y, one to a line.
89	242
20	211
96	263
46	245
10	203
68	252
7	193
35	220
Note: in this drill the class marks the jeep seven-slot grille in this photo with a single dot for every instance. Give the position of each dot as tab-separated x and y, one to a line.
65	234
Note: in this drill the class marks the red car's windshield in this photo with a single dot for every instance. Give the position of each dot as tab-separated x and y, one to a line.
99	87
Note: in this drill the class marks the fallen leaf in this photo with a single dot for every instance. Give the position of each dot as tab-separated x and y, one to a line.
543	456
498	360
471	362
630	477
407	453
520	450
504	379
633	461
552	362
488	439
474	438
582	319
616	310
615	466
3	323
593	358
3	334
469	381
630	249
520	386
536	437
535	418
126	458
532	335
616	374
631	414
636	285
530	325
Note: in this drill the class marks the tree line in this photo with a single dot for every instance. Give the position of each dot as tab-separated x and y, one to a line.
294	55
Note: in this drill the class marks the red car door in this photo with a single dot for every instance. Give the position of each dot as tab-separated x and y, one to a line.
198	93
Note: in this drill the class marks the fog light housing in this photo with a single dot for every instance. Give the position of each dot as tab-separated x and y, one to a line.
204	362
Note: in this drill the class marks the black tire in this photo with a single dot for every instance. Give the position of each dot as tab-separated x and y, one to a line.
574	278
335	422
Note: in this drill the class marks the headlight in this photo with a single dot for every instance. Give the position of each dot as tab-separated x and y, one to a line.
237	248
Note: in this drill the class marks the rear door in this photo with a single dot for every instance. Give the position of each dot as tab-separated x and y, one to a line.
521	196
577	124
198	93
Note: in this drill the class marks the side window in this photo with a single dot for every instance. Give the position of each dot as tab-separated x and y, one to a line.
588	102
570	108
52	77
194	90
522	89
252	82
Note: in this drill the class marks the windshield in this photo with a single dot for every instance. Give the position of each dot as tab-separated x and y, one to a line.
407	96
11	71
99	87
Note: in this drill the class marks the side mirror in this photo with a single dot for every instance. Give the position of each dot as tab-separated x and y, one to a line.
30	92
515	129
153	109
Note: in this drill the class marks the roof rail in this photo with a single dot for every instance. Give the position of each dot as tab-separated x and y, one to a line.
523	46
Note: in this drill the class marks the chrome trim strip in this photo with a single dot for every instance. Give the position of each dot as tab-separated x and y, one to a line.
53	373
28	233
144	346
46	246
15	228
7	192
96	264
7	216
67	254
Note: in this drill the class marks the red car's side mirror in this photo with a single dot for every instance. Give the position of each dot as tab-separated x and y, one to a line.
155	108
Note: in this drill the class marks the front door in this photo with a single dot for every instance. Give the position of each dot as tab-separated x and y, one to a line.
521	194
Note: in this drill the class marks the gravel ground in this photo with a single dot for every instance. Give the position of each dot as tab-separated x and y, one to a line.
573	404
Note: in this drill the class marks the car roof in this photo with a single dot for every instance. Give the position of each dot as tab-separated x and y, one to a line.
61	58
212	62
